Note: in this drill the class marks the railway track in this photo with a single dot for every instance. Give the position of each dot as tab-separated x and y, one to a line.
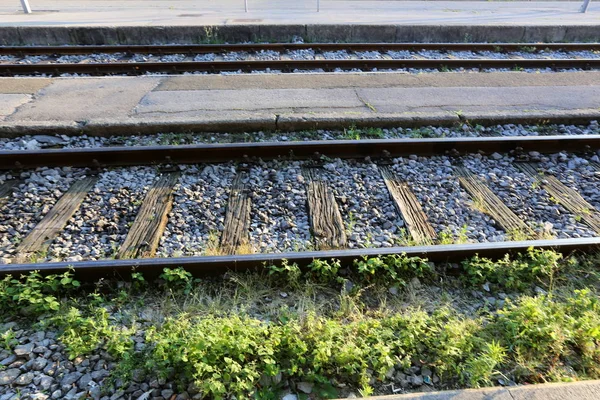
212	207
290	57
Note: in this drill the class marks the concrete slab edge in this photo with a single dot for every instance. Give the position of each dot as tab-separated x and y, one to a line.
584	390
573	117
108	127
106	35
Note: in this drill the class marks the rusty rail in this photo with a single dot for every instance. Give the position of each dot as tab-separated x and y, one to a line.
203	153
252	47
139	68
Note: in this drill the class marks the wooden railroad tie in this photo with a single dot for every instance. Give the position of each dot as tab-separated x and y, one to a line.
237	218
42	235
151	220
564	195
324	214
491	204
409	207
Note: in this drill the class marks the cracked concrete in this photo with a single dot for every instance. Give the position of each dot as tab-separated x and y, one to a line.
241	102
85	99
10	102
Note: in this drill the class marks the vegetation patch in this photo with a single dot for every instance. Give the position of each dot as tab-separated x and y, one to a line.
387	324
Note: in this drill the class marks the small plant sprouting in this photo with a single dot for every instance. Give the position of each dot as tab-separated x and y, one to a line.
518	235
527	49
448	237
352	133
8	340
177	279
351	224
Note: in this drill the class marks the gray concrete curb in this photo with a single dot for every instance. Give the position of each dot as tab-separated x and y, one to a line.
87	35
586	390
296	122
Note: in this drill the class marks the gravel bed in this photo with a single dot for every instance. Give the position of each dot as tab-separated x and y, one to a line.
39	368
173	58
365	204
198	213
32	60
101	224
97	58
141	58
524	197
576	172
205	57
235	56
309	54
279	218
336	55
445	203
369	55
36	142
266	55
400	54
30	201
279	215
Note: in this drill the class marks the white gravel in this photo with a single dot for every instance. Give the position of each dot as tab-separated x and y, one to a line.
365	204
307	54
102	222
36	142
267	55
205	57
198	213
279	217
445	203
235	56
336	55
310	54
30	201
172	58
279	221
525	198
579	173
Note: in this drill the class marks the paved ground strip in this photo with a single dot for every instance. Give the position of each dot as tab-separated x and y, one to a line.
119	100
587	390
231	12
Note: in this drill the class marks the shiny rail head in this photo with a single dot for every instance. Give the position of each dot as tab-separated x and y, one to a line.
215	153
215	265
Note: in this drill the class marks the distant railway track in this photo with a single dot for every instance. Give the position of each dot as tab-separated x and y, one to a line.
282	47
139	248
286	57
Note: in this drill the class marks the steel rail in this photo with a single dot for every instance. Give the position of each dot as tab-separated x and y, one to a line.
137	68
214	153
252	47
203	265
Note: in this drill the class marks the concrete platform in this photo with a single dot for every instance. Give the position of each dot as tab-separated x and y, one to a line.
192	21
587	390
122	105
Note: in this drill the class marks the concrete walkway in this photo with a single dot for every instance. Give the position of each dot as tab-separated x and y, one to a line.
295	12
587	390
292	101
